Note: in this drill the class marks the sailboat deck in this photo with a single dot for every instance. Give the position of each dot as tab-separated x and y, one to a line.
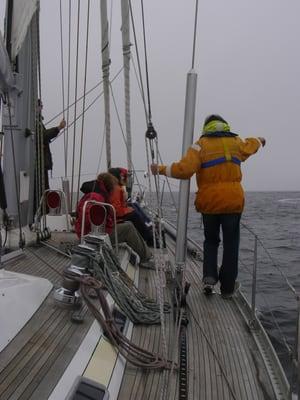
222	358
223	361
33	362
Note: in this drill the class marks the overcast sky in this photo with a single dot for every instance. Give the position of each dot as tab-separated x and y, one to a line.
248	65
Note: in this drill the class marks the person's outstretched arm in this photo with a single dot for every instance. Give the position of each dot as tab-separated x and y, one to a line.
182	169
51	133
250	146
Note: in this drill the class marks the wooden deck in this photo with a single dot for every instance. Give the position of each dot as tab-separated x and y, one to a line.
32	364
223	361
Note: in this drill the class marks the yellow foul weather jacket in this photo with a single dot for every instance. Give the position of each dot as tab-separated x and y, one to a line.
215	158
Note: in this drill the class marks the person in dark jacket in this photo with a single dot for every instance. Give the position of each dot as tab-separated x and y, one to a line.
44	138
43	160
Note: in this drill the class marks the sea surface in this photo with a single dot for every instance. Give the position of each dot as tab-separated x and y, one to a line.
274	217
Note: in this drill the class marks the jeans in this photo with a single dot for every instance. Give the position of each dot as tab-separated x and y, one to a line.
230	224
127	233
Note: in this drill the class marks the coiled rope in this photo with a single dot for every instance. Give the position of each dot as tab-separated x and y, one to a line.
137	356
137	307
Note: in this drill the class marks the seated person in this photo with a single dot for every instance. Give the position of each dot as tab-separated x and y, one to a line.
118	199
100	190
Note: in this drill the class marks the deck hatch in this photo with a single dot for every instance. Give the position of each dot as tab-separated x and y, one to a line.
87	389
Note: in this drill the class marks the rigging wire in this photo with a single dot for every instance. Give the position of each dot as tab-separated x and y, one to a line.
138	60
75	106
267	304
83	103
122	131
62	78
110	20
68	88
291	287
148	114
141	90
15	172
90	105
37	171
195	33
146	64
40	128
160	158
72	104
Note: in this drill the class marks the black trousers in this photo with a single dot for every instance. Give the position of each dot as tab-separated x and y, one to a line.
230	224
140	225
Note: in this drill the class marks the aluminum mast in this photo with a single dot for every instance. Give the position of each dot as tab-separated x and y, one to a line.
126	59
184	191
105	72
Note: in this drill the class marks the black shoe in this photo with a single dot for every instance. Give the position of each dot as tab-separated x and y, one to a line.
228	296
208	289
208	285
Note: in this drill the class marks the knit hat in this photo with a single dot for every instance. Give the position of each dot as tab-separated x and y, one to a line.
119	173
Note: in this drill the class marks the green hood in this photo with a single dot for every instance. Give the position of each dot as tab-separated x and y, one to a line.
216	126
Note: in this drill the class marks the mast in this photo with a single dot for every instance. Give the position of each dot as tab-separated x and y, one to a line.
126	60
19	112
184	191
105	73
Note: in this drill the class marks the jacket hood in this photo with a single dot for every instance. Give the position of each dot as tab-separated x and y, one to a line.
95	186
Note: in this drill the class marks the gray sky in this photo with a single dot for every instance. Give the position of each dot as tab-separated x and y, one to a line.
248	67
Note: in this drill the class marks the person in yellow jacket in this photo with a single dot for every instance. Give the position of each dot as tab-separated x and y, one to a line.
216	158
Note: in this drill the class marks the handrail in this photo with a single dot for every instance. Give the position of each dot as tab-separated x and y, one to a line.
297	364
296	353
93	202
253	300
114	218
62	193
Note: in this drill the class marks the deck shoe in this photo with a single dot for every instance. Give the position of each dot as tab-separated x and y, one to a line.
208	289
208	285
228	296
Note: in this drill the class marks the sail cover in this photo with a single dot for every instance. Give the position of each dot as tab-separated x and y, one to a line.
6	75
23	11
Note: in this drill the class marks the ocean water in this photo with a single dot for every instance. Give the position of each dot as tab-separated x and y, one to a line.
274	217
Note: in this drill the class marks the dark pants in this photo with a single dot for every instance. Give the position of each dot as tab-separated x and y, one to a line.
230	224
140	225
143	216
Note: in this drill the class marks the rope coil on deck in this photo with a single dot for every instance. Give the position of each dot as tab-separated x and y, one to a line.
137	307
134	354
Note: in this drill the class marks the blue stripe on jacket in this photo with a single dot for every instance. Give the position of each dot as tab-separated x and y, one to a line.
221	160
